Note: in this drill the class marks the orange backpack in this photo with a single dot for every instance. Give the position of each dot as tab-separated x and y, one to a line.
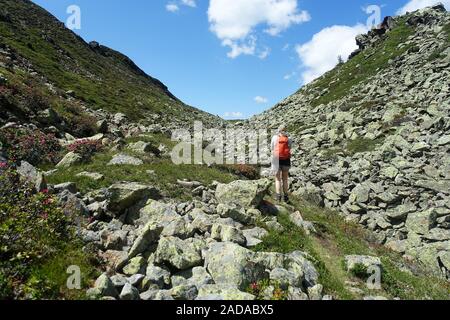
282	150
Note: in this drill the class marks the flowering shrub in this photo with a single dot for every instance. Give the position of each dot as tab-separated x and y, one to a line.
32	227
258	290
243	170
32	146
85	148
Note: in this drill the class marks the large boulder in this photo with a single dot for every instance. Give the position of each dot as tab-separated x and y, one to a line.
148	236
69	160
180	254
103	287
242	193
421	222
32	175
222	292
124	195
123	159
230	264
352	261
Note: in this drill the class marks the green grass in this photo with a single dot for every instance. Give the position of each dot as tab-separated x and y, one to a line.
363	66
49	279
337	238
165	177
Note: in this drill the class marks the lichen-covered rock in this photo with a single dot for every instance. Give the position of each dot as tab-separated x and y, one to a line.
148	235
126	194
69	160
123	159
351	261
222	292
180	254
228	263
245	194
421	222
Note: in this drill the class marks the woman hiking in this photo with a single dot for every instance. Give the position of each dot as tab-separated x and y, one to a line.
281	162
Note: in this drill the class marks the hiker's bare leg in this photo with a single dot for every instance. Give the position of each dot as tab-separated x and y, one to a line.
278	182
285	175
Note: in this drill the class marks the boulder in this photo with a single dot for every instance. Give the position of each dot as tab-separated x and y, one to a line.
226	233
180	254
91	175
245	194
126	194
148	235
103	287
123	159
421	222
222	292
351	261
230	264
32	175
129	293
69	160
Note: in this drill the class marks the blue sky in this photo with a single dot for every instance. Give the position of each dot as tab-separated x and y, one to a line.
233	58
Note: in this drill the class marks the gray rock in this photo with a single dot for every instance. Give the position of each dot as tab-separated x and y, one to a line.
91	175
123	159
226	233
158	276
126	194
180	254
32	175
69	160
231	264
222	292
421	222
104	287
148	236
129	293
245	194
351	261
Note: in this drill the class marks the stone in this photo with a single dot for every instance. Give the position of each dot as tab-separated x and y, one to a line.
180	254
126	194
129	293
226	233
115	259
141	147
437	234
123	159
69	186
442	186
135	265
32	175
285	278
222	292
238	214
104	287
420	222
230	264
91	175
360	194
69	160
244	194
158	276
443	140
315	292
351	261
254	236
401	212
148	235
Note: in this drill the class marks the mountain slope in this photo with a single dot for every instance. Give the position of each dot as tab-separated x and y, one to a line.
36	43
374	136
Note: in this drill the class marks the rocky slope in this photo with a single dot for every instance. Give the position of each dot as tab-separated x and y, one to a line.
374	136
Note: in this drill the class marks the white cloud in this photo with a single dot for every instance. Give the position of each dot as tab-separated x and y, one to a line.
286	47
260	100
264	54
321	53
189	3
289	75
235	21
233	115
414	5
172	7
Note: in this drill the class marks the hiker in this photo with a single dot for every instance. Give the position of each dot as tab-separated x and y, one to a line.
281	162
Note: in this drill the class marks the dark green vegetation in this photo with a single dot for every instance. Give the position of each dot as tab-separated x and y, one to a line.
341	79
38	244
98	76
337	238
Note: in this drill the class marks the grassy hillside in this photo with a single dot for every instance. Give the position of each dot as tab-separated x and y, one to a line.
97	75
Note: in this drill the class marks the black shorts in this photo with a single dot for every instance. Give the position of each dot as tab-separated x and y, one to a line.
285	164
